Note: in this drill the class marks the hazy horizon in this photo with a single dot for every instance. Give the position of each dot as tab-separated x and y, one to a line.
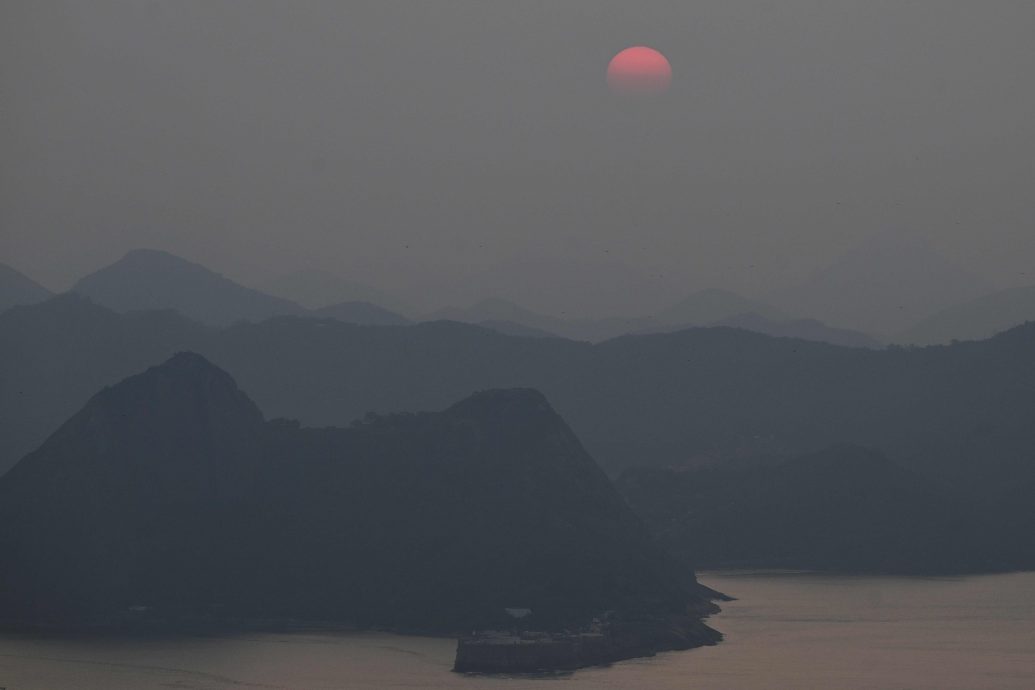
450	151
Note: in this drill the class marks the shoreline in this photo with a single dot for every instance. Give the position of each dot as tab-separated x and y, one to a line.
605	642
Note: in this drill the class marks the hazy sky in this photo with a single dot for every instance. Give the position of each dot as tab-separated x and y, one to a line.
452	150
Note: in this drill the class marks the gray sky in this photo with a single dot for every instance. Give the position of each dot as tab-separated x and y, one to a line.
452	150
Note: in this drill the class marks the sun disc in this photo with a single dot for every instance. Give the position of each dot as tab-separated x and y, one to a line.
639	70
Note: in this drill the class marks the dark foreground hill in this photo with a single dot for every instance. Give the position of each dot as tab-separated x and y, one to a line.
842	509
168	497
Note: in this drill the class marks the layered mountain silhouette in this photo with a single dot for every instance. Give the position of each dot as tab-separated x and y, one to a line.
17	288
844	508
704	308
883	286
646	399
510	317
803	329
87	347
515	328
168	496
363	313
708	306
147	279
958	415
315	289
974	320
152	279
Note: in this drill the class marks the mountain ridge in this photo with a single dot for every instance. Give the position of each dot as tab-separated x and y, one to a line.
16	289
153	279
975	320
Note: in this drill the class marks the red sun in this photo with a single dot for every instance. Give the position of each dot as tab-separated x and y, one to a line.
639	70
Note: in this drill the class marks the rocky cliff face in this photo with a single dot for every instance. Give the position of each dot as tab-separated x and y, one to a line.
169	494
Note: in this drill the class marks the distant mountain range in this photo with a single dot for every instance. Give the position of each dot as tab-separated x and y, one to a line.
974	320
501	311
314	289
883	286
704	308
148	279
363	313
169	499
17	288
803	329
151	279
708	306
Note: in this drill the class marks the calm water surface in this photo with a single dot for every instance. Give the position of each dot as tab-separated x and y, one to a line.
785	631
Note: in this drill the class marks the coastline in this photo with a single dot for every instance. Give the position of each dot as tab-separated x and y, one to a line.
607	640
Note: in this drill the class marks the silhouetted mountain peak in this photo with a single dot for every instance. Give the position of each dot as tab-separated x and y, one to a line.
189	365
68	303
185	407
510	402
154	279
186	379
145	256
69	310
17	288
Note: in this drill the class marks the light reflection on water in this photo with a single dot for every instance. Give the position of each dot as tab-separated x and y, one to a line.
784	631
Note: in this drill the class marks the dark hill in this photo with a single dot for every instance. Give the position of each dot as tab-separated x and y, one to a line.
152	279
167	496
54	356
515	328
803	329
843	508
